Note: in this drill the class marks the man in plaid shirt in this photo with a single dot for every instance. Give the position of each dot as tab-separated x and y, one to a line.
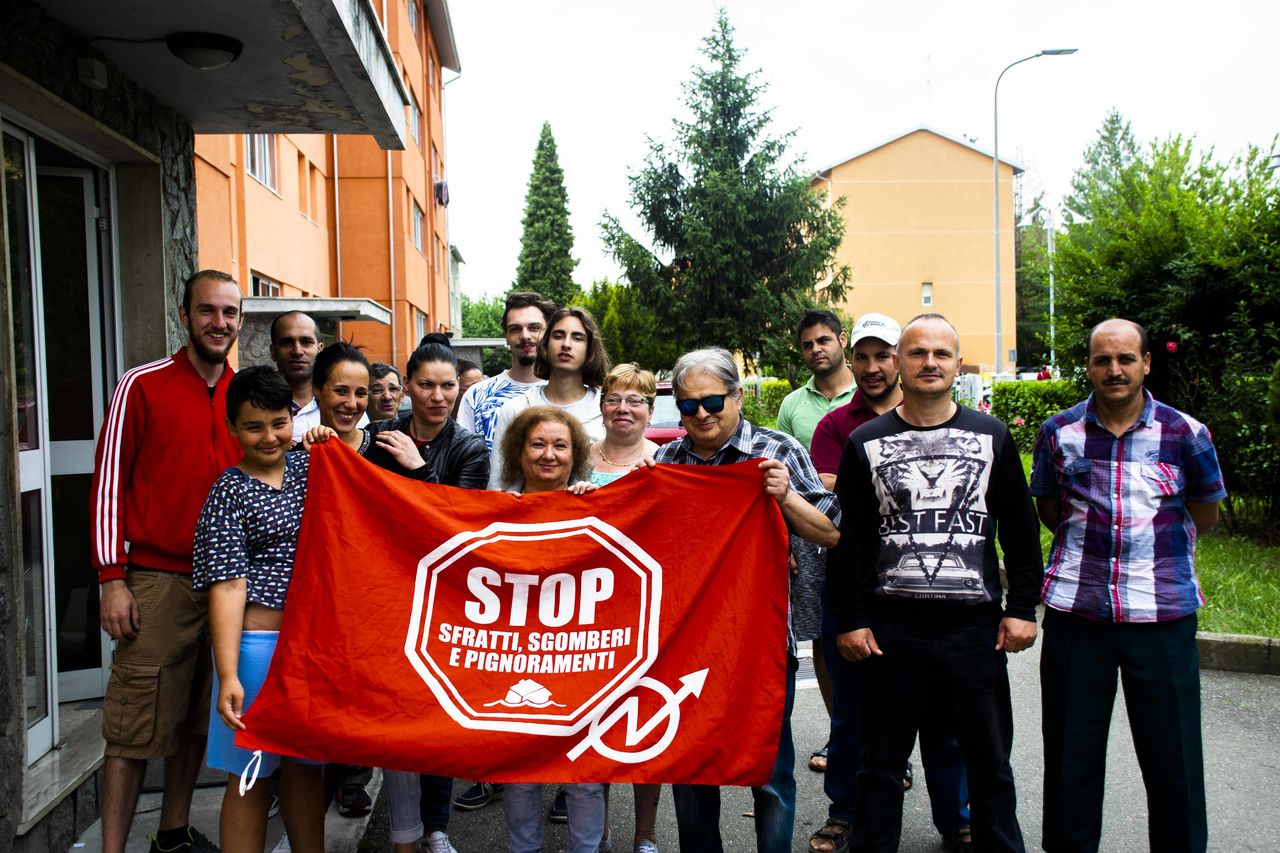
1126	484
708	394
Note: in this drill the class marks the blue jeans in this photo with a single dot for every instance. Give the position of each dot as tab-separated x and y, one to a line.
928	670
522	805
939	751
698	806
419	804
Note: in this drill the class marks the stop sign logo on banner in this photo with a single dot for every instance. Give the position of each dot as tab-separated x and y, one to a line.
506	646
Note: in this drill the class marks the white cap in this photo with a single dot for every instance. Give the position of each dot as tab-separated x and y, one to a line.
876	326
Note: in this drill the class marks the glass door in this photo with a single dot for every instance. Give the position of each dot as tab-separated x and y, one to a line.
70	286
33	456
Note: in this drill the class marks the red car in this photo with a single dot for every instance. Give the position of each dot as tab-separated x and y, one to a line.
665	424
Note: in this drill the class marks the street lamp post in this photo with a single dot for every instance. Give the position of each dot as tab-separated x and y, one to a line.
995	163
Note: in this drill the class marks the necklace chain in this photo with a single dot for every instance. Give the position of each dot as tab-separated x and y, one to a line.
608	461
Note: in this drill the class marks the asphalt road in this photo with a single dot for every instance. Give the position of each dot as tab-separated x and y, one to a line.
1242	753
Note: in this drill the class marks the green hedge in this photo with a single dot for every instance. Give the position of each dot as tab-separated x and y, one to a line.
762	410
1023	406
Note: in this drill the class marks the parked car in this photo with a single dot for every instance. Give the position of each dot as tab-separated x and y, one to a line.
665	424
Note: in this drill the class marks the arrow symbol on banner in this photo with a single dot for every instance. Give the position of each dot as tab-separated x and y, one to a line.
690	685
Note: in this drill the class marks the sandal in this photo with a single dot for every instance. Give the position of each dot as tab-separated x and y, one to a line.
836	834
908	779
958	840
818	760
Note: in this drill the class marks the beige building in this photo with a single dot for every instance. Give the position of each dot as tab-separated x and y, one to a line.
918	218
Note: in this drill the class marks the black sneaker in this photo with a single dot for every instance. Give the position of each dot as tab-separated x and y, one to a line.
477	796
353	801
196	843
559	807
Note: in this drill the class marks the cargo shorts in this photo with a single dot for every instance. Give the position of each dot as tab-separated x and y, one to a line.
160	682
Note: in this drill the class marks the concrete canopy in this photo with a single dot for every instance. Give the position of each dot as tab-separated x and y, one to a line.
308	66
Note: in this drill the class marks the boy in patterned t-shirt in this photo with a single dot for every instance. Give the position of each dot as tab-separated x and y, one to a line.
245	543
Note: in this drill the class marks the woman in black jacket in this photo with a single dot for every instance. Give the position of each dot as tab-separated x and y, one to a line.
427	444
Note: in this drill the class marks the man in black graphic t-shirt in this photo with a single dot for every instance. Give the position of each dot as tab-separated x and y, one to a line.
915	585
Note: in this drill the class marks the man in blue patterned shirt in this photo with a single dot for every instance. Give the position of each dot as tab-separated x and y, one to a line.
1126	484
708	393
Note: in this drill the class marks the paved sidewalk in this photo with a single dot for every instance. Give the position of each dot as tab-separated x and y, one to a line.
1242	753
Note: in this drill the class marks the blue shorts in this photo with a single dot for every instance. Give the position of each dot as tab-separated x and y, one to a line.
256	649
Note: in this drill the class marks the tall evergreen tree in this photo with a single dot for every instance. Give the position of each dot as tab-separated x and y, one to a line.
748	240
546	247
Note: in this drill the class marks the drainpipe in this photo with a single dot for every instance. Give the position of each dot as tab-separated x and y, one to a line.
391	260
337	224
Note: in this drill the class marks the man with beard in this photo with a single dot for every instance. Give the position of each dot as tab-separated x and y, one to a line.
295	343
915	587
875	371
524	322
822	342
164	442
1126	484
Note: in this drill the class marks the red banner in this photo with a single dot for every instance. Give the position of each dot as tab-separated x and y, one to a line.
634	634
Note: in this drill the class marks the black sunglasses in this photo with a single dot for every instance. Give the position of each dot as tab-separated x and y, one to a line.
713	404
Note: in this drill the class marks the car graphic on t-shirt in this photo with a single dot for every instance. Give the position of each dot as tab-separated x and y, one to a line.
933	574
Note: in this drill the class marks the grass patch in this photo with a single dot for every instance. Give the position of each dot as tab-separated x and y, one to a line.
1240	579
1241	583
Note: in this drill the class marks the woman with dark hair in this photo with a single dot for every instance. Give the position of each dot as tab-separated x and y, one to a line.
385	391
545	449
573	360
427	444
340	378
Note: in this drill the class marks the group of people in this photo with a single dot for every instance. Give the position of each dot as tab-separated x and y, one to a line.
894	497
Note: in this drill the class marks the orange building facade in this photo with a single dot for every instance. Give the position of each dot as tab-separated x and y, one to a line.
918	236
312	215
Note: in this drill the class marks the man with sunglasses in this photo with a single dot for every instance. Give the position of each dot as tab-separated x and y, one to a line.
915	585
708	394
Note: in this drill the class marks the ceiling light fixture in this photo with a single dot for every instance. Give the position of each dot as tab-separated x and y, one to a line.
204	51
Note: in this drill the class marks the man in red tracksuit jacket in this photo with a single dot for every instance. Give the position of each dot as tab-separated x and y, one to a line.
163	443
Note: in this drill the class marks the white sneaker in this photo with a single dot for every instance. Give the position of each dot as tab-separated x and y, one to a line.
646	846
438	842
282	846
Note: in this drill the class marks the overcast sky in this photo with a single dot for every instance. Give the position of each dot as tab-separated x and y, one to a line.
844	75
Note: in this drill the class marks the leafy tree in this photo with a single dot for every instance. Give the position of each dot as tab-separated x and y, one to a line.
482	318
1032	251
630	331
1190	248
737	235
546	247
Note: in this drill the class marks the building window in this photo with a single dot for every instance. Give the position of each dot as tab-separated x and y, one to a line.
261	286
413	16
420	323
415	119
260	158
926	293
417	226
431	68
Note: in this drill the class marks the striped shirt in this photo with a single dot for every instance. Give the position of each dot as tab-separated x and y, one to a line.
1124	547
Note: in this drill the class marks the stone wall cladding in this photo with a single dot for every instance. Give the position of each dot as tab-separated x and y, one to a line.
44	50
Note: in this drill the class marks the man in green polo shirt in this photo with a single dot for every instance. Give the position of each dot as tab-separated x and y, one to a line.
822	342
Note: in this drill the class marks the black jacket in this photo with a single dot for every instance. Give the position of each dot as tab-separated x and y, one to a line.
456	457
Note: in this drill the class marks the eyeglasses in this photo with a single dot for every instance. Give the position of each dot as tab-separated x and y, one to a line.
379	392
613	401
713	403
